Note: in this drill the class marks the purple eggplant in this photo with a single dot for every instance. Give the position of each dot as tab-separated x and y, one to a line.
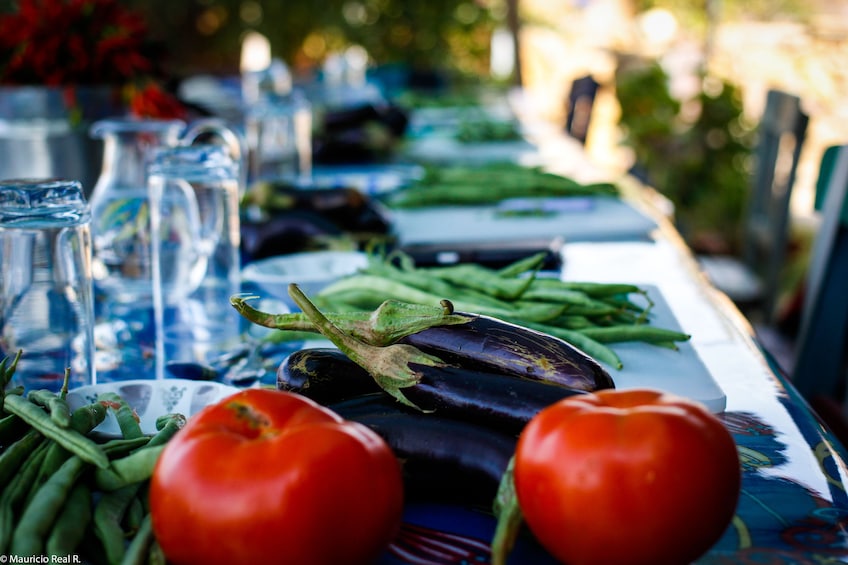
492	345
500	401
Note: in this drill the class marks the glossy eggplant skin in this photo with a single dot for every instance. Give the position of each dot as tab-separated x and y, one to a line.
503	402
443	458
324	374
492	345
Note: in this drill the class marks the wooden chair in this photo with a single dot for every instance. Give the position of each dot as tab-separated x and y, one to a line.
581	100
819	371
752	280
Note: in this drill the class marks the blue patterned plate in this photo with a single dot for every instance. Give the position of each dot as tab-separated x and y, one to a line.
151	399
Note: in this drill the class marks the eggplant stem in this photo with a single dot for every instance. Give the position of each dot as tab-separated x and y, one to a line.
391	321
389	365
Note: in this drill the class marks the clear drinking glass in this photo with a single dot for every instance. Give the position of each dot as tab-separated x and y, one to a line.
46	298
278	129
192	326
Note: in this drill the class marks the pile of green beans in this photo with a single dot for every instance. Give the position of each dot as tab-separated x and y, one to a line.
460	185
66	492
591	316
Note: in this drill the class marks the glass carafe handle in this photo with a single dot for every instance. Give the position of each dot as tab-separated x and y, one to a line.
212	130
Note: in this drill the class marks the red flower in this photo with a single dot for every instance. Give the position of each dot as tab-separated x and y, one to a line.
57	42
153	102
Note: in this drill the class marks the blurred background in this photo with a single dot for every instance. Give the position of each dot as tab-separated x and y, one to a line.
794	45
681	84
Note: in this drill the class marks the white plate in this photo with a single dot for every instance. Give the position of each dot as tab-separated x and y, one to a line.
151	399
311	271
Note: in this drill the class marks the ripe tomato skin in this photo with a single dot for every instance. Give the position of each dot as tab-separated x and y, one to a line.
270	476
629	477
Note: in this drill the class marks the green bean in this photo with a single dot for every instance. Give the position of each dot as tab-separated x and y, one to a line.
53	459
13	457
90	548
39	516
482	279
590	311
648	334
58	408
87	417
15	492
167	426
156	556
11	428
4	378
7	511
559	294
124	414
70	525
600	289
135	514
72	440
521	266
388	289
120	447
572	321
134	468
139	547
666	345
16	390
382	288
83	420
108	515
623	303
6	373
427	281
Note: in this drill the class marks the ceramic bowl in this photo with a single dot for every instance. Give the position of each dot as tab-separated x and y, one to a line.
151	399
311	271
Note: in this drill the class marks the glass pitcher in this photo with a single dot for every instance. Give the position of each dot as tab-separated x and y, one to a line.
120	211
122	239
190	328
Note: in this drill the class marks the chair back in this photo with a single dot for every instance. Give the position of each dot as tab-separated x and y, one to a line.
820	348
581	100
780	138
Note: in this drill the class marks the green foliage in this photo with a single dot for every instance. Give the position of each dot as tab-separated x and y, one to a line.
436	34
701	165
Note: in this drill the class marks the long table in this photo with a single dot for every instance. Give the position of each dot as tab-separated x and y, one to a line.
793	506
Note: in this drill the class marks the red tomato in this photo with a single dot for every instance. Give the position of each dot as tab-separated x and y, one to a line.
627	477
269	476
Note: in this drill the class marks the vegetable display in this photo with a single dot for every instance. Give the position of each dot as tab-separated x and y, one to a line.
654	472
590	316
267	473
66	491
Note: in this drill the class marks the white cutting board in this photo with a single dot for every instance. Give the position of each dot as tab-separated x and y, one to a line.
680	372
578	218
